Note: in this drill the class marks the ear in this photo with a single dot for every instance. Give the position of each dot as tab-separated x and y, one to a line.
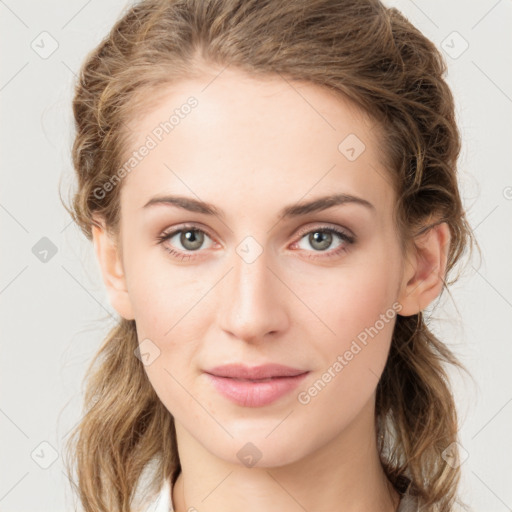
110	263
424	270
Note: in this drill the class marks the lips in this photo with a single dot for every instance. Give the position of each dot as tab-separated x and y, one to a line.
255	386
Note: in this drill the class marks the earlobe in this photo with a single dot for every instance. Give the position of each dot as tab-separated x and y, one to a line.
112	271
425	270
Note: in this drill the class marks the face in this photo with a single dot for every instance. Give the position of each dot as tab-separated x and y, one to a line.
240	282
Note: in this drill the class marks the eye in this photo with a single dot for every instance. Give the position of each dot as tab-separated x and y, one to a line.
191	239
321	238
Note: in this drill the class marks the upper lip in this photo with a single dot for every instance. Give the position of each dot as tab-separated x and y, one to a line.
264	371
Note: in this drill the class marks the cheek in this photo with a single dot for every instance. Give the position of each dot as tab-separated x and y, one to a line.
352	360
174	337
356	297
363	327
160	292
358	313
166	322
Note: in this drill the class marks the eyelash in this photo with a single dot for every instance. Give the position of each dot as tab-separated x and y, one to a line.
349	240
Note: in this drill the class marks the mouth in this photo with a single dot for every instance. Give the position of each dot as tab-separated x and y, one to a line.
255	392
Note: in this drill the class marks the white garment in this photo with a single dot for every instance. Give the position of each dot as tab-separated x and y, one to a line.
163	502
408	504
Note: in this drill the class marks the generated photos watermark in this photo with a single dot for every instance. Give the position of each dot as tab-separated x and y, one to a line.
151	142
342	360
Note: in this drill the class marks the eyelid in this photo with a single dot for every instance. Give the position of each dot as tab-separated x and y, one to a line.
326	226
183	227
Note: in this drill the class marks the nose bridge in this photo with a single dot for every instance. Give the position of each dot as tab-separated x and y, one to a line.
251	303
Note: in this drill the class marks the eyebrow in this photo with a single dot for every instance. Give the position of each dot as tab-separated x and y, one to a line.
295	210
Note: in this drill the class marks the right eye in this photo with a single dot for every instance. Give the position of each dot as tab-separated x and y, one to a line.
191	239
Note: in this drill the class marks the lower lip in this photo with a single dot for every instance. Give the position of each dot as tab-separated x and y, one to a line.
255	393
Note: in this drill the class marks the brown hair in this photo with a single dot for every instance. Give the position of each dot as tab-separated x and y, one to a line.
357	48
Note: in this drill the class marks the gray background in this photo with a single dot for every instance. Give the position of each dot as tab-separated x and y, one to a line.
55	313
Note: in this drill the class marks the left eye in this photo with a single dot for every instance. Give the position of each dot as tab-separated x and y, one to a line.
321	238
192	238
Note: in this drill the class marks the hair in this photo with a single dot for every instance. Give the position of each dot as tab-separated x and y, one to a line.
358	49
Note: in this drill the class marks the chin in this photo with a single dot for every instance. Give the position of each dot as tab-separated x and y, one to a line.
251	449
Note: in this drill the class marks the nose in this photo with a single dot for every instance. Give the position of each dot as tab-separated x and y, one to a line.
253	301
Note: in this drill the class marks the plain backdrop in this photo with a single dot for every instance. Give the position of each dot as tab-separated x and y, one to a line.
54	308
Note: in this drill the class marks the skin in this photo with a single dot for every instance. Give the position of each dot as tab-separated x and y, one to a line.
252	147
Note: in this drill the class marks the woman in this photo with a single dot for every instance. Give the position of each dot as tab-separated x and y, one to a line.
272	195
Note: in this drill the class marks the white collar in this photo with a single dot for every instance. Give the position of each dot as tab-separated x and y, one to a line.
163	501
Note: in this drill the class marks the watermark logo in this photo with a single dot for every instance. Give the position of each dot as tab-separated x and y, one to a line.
147	352
249	455
351	147
454	45
249	249
44	250
45	45
44	455
455	455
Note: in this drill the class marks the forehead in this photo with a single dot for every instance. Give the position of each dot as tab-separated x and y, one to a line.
229	138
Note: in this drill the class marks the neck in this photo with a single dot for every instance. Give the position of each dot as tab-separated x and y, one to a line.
343	474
